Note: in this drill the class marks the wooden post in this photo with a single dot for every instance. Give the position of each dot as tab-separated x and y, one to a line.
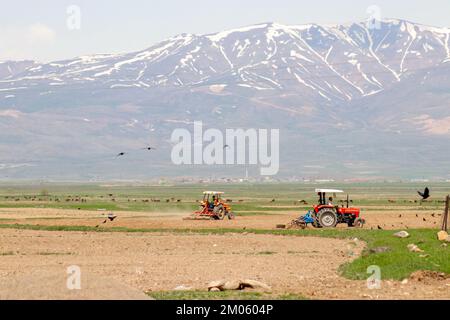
445	216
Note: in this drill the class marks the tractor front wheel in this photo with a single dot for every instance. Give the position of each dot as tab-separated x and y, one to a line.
327	218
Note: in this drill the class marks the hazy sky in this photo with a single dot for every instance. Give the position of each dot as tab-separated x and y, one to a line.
39	29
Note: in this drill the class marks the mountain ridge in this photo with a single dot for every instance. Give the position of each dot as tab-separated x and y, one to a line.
322	84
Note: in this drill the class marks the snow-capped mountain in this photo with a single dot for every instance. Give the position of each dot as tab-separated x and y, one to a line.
339	78
334	62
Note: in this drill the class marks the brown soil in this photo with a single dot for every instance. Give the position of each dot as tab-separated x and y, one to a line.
384	219
33	264
123	265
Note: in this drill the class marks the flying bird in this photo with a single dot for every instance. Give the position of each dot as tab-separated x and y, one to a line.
149	148
120	154
425	195
111	216
226	146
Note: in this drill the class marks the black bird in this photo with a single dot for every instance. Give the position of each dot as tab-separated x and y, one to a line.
424	220
425	195
400	216
380	228
120	154
111	216
149	148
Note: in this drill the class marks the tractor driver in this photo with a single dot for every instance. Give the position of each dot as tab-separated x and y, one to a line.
330	201
212	204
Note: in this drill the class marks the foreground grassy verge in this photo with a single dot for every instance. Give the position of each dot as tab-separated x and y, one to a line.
397	263
224	295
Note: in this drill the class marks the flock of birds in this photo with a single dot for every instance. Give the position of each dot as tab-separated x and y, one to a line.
111	217
425	195
121	154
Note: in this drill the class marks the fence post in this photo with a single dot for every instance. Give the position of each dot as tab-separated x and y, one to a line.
445	216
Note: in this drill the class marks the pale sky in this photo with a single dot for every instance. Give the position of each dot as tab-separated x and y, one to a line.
39	29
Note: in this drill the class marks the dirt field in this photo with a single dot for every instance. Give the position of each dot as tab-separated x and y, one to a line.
124	265
120	265
402	218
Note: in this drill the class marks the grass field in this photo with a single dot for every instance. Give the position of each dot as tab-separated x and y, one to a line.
248	199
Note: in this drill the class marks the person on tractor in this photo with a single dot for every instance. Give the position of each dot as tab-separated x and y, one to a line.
330	201
213	203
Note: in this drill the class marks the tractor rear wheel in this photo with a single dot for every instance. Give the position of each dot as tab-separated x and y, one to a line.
219	212
327	218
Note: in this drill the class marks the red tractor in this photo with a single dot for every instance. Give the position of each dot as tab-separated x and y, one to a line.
327	214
